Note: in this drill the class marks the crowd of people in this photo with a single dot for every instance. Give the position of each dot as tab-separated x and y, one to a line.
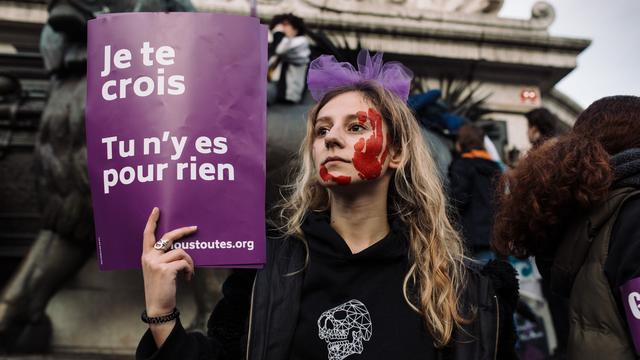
378	257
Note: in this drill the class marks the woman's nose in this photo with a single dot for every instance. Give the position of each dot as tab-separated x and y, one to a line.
335	137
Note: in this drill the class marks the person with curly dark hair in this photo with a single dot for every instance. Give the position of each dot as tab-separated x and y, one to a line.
574	204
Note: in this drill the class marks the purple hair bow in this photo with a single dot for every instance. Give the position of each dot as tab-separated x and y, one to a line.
326	74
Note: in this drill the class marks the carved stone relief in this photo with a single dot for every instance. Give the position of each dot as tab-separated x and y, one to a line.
459	6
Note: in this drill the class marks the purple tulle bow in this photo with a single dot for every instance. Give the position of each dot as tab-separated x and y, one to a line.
326	74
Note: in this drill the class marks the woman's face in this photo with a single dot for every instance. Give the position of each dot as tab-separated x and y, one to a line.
351	142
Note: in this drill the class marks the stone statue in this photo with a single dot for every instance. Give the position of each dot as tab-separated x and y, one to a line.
67	239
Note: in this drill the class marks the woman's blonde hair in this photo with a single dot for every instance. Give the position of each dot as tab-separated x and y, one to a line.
415	196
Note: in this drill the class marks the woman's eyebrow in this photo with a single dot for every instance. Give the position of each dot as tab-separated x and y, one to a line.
351	117
322	120
329	118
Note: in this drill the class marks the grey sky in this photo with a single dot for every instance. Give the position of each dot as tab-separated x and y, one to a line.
611	65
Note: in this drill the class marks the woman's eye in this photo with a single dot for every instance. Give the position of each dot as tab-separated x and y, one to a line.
321	131
357	127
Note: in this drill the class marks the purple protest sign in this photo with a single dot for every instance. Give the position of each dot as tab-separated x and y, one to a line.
630	295
176	118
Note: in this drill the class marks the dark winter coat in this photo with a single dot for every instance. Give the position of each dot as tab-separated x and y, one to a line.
257	317
471	189
598	253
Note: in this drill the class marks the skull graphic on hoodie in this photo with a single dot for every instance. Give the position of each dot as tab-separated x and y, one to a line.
345	328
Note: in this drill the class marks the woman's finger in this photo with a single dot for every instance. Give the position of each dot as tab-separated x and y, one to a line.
149	235
174	255
177	234
180	265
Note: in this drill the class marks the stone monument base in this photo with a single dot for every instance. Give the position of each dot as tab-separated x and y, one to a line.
97	314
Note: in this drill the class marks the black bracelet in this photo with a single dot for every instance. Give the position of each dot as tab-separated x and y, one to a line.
160	319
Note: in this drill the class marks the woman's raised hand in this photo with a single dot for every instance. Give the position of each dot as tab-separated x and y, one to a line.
160	266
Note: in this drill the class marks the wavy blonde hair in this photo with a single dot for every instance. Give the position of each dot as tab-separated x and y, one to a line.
415	196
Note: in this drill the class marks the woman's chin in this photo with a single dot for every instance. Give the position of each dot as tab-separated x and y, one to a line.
329	178
338	180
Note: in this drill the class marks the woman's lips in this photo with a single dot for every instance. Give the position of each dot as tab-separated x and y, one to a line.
332	158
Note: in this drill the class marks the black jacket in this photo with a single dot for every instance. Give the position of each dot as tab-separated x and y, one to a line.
472	186
267	305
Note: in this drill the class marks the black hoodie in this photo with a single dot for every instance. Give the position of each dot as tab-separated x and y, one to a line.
352	305
472	189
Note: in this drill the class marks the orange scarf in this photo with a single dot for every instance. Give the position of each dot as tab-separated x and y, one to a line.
482	154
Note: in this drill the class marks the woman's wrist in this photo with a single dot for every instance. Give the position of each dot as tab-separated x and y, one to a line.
154	311
160	318
164	327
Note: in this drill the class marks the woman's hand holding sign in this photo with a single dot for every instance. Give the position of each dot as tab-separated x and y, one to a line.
160	267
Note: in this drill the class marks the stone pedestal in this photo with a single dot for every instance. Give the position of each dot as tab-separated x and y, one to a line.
99	312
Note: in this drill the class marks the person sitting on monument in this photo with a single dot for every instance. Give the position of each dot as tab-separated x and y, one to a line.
289	57
368	262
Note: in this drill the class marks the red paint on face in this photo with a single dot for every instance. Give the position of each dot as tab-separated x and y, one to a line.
340	180
365	156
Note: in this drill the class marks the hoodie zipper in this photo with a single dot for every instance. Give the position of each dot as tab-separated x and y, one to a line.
253	289
495	350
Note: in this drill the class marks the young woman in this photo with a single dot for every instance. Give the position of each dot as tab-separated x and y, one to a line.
368	266
574	203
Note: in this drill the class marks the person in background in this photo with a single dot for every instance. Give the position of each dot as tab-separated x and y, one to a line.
574	204
472	185
289	58
542	126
